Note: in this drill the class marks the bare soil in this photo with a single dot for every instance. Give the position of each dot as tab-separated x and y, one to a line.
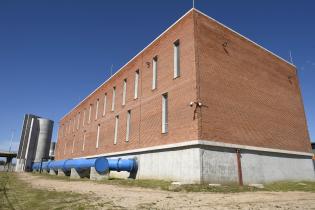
122	197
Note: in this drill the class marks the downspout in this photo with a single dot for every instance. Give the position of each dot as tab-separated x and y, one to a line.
239	167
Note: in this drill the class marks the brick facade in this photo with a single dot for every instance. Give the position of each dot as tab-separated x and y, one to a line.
249	96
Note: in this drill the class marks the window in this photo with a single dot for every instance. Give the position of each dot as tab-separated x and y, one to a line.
136	84
64	151
73	144
116	129
96	109
69	127
165	113
113	100
73	124
78	124
83	120
90	112
60	131
124	92
128	125
176	59
98	135
154	72
83	144
104	105
64	130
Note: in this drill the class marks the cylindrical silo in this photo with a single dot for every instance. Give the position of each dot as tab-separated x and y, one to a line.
52	149
44	138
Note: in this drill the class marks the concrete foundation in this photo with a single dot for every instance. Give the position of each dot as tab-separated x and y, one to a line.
218	165
53	172
45	172
262	167
62	173
74	174
211	164
94	175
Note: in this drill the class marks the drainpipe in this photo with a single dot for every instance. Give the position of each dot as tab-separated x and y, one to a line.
239	167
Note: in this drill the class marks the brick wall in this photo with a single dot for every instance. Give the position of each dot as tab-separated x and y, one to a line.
251	96
146	128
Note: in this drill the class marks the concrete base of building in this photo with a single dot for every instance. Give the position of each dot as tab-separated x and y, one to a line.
94	175
74	174
62	173
213	164
45	172
52	172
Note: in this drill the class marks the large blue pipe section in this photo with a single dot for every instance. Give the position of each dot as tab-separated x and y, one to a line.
122	164
101	165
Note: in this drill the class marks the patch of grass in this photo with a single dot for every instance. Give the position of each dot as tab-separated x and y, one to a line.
16	194
145	183
291	186
229	188
65	178
167	185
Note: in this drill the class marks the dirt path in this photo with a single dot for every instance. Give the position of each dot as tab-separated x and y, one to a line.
121	197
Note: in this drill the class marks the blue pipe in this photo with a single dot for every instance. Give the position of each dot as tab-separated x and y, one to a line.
36	166
122	164
58	164
45	165
101	165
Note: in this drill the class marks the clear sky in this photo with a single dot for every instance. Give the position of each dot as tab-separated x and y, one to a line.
53	53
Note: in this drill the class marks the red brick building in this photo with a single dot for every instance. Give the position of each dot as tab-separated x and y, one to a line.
201	94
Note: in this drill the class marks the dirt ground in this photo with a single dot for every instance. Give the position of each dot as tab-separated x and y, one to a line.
121	197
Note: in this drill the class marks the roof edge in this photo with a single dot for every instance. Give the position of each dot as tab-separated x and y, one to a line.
246	38
151	43
133	58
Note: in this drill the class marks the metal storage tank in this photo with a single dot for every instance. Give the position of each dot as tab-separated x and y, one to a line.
52	149
45	128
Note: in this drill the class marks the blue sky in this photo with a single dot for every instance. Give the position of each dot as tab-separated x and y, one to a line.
53	53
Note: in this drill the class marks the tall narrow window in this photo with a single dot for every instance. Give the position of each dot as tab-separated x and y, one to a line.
73	144
98	135
113	99
90	112
68	125
176	59
96	109
104	104
116	129
65	129
124	92
165	113
128	125
73	124
83	120
83	144
136	84
154	72
64	151
78	124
